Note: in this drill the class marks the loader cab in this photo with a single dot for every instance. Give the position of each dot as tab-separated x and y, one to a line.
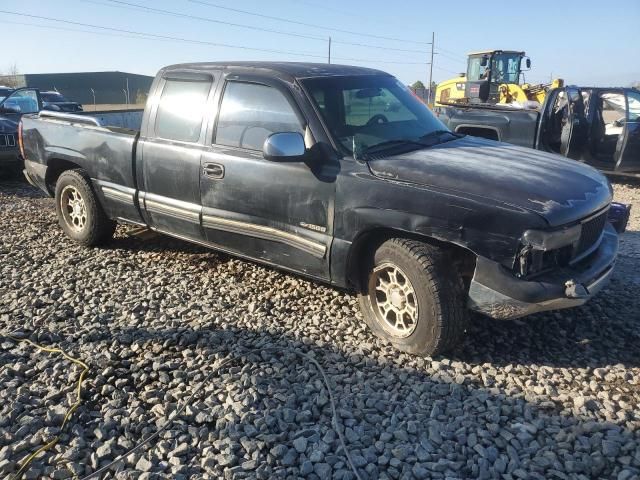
486	71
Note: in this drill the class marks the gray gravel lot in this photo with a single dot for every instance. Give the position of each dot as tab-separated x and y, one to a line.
555	395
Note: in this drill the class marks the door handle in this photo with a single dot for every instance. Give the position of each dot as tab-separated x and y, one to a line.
213	170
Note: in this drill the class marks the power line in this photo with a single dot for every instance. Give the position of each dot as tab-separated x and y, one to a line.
163	37
455	59
67	29
452	53
135	6
152	36
295	22
159	11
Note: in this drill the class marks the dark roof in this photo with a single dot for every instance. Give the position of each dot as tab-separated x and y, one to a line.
293	69
110	72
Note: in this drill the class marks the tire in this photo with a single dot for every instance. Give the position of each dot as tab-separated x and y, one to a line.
430	314
79	213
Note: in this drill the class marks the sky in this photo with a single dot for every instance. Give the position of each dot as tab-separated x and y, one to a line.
588	42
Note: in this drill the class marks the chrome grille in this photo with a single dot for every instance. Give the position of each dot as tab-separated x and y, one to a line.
7	140
591	233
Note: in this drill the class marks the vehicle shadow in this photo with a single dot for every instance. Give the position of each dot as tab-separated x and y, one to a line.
259	402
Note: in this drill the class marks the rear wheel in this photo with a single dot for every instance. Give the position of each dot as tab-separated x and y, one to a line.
79	213
412	297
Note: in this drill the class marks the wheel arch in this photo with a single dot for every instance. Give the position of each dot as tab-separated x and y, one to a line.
366	242
56	167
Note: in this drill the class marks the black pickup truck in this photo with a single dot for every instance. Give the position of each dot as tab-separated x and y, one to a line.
597	126
305	167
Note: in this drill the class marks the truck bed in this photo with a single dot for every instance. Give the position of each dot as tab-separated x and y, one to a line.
129	119
506	124
102	143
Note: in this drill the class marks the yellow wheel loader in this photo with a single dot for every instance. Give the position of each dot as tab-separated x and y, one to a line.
492	77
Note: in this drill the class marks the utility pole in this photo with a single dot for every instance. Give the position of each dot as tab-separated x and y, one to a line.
329	58
433	41
128	97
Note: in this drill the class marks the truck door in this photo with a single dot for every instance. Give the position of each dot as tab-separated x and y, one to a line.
170	145
278	212
628	147
563	125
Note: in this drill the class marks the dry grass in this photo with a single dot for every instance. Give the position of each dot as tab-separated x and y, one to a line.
101	107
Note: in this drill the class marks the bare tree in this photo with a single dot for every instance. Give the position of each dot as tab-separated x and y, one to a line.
11	77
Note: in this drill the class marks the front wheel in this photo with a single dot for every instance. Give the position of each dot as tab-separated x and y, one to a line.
79	213
412	297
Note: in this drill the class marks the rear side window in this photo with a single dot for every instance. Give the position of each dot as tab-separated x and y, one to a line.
181	109
249	113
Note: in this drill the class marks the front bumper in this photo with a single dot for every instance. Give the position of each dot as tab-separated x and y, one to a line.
496	292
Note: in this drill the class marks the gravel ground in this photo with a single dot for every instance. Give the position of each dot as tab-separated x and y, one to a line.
555	395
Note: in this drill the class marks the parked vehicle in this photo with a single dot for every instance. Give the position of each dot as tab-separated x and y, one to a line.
55	101
598	126
4	92
15	104
303	167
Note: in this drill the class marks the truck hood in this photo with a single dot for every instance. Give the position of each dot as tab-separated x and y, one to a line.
558	189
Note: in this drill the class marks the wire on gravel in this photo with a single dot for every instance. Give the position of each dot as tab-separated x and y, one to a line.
51	443
273	350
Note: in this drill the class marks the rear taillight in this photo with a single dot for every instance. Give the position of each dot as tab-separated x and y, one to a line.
20	144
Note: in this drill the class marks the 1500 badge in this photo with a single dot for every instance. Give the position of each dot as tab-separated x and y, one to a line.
310	226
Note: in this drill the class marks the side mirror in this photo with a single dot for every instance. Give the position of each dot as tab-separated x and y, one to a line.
283	146
485	61
527	62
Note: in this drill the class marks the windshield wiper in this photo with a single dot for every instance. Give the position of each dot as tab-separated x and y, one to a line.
387	144
437	133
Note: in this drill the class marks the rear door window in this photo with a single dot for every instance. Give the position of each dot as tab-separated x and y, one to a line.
181	110
250	112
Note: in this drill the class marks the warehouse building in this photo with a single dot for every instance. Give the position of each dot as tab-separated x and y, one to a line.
90	87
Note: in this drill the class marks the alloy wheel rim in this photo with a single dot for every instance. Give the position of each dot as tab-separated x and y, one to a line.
74	210
394	300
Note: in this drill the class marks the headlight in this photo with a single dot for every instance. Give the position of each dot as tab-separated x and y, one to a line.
542	250
460	86
544	240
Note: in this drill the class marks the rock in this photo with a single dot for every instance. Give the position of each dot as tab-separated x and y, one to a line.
323	470
306	468
226	459
289	458
300	444
144	465
610	448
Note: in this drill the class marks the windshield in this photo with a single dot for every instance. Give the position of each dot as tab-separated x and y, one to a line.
476	71
505	67
366	111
